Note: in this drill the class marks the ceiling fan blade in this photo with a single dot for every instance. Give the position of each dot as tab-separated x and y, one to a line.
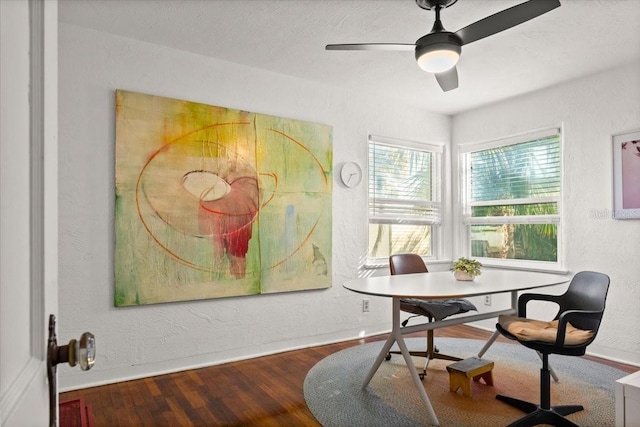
505	19
448	80
372	46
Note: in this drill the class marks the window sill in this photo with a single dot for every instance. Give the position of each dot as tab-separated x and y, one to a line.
522	266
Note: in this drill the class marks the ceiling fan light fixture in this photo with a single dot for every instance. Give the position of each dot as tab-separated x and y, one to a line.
438	52
438	58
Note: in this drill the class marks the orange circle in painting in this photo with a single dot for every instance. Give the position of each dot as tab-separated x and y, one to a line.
201	186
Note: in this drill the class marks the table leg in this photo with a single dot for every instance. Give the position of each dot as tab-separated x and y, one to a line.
393	336
381	356
416	379
496	334
488	344
396	337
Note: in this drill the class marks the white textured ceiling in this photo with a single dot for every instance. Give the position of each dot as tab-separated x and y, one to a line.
580	38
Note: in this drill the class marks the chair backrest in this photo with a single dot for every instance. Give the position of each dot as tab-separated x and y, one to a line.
587	291
406	264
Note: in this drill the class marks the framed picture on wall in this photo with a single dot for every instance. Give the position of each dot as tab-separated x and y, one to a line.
215	202
626	175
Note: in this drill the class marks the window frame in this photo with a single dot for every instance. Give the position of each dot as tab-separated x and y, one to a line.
437	176
466	220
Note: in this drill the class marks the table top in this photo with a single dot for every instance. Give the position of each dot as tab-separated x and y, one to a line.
442	284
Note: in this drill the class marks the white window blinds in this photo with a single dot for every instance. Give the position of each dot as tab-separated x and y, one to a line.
404	182
520	171
512	198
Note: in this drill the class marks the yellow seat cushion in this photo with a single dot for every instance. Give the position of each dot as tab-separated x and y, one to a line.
538	330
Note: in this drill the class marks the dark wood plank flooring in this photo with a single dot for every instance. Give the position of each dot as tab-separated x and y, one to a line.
265	391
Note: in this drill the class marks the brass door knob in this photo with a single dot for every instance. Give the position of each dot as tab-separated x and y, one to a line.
78	352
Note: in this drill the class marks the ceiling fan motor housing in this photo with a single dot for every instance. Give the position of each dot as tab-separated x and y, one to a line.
443	41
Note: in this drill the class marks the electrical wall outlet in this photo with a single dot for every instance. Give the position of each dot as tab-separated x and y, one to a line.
487	300
365	305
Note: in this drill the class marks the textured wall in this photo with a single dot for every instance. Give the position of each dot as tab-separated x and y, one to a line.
590	111
142	341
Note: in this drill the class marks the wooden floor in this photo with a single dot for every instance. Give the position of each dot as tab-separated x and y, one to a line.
265	391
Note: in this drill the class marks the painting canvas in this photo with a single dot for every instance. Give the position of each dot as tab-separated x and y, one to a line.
626	171
215	202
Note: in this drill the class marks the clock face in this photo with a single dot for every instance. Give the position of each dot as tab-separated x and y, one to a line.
351	174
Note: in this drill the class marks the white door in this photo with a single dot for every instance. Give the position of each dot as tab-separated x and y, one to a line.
28	205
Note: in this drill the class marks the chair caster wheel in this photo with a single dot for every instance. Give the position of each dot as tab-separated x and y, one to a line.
388	356
421	376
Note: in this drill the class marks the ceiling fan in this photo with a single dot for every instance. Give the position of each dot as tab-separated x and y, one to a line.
438	52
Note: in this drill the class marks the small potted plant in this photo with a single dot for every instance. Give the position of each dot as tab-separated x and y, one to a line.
466	269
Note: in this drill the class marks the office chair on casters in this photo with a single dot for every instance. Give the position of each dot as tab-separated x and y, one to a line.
433	310
580	311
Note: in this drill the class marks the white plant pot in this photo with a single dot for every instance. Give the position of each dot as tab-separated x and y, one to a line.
462	275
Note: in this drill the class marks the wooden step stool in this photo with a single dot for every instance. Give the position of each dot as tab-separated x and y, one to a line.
461	373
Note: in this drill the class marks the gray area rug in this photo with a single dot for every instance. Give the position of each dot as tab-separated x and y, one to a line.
333	387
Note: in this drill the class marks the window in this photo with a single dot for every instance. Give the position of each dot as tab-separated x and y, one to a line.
512	198
404	197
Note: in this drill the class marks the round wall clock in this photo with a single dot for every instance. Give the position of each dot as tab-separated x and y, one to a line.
351	174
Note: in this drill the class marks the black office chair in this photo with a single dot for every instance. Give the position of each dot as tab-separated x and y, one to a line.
580	311
433	310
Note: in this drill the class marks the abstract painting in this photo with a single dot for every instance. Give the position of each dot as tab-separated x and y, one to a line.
626	175
215	202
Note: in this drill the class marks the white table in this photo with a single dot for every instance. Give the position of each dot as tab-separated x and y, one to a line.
442	285
628	400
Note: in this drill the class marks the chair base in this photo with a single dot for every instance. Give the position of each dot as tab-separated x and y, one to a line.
428	357
538	415
431	353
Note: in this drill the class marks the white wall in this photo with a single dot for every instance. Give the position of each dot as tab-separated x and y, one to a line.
590	111
141	341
